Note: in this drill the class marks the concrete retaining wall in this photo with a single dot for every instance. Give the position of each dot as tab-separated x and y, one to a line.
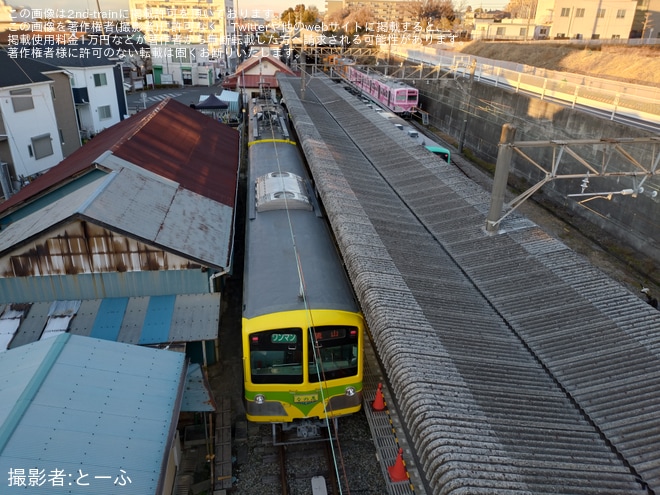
635	221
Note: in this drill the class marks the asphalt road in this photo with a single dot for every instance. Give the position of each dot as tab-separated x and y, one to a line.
141	99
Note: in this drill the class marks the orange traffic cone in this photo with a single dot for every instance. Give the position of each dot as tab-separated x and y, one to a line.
378	404
398	470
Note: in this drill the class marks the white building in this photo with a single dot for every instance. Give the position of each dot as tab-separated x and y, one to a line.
96	95
30	136
183	22
589	19
187	65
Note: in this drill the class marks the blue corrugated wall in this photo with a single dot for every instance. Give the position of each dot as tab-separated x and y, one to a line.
103	285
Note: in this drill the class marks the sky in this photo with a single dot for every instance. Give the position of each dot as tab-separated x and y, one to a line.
255	8
91	5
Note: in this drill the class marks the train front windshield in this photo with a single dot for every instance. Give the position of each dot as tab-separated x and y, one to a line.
333	353
276	356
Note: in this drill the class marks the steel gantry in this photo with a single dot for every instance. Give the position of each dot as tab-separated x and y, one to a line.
375	59
631	167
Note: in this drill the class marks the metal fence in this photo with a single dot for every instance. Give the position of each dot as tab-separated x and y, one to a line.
633	104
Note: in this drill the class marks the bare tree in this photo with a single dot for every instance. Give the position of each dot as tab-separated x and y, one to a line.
312	14
300	14
351	20
522	9
430	12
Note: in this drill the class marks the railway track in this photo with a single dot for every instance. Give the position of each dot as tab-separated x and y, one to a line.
309	467
262	465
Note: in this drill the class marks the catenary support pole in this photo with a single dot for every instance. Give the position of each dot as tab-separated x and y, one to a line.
467	102
502	166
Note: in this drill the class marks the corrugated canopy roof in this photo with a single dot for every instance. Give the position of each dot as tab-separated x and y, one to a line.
89	408
155	320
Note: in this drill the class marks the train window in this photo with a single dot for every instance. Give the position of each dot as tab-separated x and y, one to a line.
400	95
334	354
412	96
276	356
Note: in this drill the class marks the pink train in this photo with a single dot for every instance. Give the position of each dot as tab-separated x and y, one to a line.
395	95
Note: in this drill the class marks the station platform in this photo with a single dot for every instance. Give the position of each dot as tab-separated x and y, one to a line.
514	364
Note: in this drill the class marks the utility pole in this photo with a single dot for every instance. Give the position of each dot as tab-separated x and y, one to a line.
504	155
466	109
529	20
302	68
647	30
302	77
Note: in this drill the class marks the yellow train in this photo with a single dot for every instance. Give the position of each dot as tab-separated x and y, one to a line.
302	328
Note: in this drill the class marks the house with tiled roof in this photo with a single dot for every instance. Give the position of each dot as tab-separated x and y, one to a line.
183	64
98	85
257	75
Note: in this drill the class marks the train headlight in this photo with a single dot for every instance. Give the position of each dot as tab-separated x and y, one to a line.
259	399
350	391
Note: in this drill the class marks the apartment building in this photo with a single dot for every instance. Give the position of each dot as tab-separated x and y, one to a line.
382	10
589	20
184	22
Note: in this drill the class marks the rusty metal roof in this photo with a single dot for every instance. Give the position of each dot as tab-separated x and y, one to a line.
172	185
145	207
168	139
